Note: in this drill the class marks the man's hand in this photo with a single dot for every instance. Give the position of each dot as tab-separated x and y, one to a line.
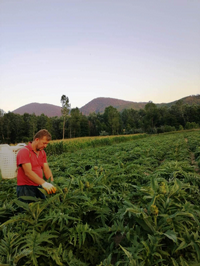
49	188
47	172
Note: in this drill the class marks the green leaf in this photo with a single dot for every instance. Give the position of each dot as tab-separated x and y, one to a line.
22	204
182	245
171	235
154	184
175	263
29	198
132	262
23	253
43	191
176	187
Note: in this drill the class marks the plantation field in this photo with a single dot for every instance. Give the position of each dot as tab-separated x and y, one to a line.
84	139
131	203
71	145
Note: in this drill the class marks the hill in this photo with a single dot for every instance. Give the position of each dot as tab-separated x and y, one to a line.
99	105
49	110
190	100
96	105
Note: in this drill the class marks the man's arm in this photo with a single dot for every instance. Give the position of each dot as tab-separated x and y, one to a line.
47	171
32	175
35	178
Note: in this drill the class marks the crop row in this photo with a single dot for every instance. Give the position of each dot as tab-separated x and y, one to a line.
70	145
132	203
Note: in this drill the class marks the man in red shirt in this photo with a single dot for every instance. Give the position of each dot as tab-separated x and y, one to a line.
32	164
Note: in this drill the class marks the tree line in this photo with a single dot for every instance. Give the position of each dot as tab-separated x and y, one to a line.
15	128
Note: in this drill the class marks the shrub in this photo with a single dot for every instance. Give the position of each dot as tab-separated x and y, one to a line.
190	125
103	133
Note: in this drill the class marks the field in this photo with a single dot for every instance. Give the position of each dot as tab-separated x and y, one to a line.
132	203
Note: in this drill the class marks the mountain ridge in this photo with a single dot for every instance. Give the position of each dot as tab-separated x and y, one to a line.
49	110
97	105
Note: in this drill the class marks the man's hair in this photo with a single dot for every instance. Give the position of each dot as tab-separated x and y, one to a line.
42	133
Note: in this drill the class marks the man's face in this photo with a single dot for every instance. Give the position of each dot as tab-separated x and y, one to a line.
41	143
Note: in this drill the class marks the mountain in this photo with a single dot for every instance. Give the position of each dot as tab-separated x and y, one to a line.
99	105
49	110
96	105
190	100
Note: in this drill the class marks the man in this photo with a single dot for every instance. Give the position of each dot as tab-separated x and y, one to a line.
32	164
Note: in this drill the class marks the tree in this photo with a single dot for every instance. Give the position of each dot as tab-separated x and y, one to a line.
42	122
65	110
1	112
33	125
96	124
130	120
152	117
75	119
84	124
112	120
178	111
11	128
56	129
92	118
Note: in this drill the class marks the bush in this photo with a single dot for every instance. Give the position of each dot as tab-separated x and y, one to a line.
180	127
138	130
166	128
103	133
190	125
169	128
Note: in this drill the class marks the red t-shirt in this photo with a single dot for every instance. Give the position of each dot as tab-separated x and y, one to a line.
27	155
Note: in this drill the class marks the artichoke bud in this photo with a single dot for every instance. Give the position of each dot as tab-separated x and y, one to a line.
87	184
169	220
101	169
65	190
95	168
154	210
81	185
162	188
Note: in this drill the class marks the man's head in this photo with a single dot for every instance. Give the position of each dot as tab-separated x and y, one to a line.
41	139
42	133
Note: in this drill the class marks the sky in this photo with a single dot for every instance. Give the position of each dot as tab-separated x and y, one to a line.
134	50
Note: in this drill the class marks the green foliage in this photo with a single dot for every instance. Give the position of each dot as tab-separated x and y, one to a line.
65	110
112	120
57	148
190	125
134	202
152	119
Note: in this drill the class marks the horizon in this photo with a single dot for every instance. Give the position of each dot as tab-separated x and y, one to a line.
136	51
98	98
